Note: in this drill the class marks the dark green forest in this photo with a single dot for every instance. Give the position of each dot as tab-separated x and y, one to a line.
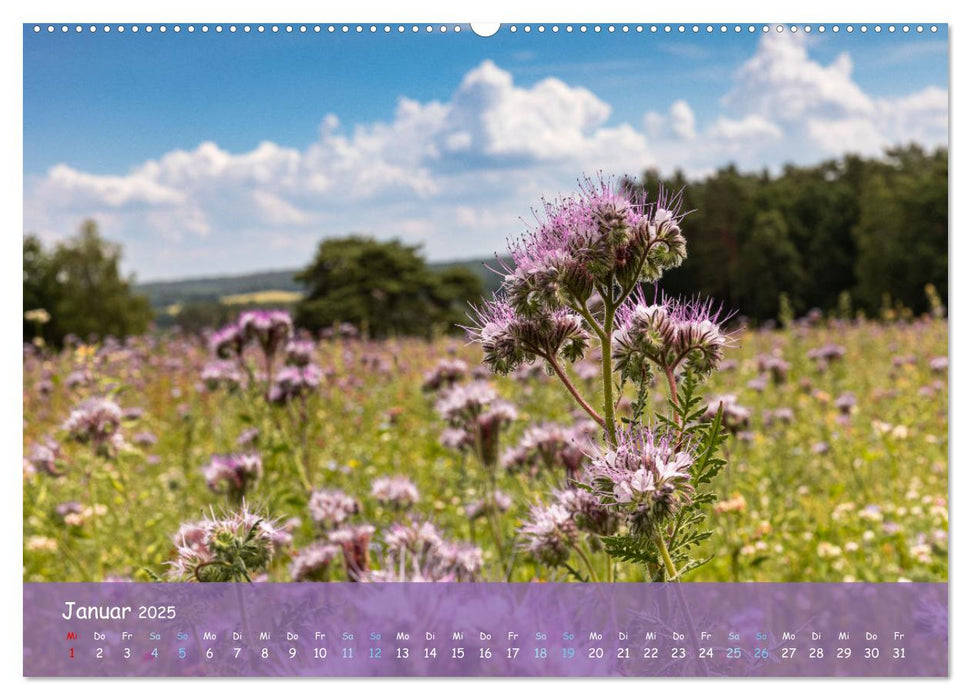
861	234
873	228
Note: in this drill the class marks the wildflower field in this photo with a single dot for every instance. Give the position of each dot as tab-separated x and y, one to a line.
816	488
585	433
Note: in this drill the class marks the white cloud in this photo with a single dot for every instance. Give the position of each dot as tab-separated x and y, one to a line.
458	174
682	120
750	130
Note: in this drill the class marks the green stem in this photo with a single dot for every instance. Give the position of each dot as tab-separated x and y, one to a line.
669	567
574	392
586	562
673	389
608	373
581	309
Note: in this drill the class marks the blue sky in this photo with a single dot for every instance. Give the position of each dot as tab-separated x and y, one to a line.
217	153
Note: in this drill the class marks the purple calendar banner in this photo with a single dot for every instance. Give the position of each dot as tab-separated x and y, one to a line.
488	629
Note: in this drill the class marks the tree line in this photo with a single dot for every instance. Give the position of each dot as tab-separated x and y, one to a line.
872	230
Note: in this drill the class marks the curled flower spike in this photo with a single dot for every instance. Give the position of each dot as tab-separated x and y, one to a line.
608	231
414	537
775	366
671	335
418	552
44	457
645	476
231	547
227	342
588	512
269	328
476	418
509	340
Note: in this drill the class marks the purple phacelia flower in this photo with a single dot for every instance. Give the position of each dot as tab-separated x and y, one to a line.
845	402
312	563
510	341
44	457
607	231
735	417
299	353
223	373
446	373
355	542
234	546
233	474
774	366
397	491
476	410
96	421
269	328
292	382
227	342
552	446
248	437
671	335
330	508
644	476
588	512
549	534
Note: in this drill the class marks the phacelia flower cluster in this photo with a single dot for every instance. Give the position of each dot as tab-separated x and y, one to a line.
312	563
826	355
607	230
96	421
299	353
223	374
270	329
417	552
397	491
735	417
355	543
231	547
670	335
608	235
510	340
233	474
293	382
330	508
549	534
645	476
552	447
476	416
589	513
446	373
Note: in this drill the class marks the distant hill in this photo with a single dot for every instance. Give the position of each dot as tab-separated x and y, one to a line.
162	295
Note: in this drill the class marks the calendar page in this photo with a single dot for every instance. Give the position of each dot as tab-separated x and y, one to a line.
549	349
